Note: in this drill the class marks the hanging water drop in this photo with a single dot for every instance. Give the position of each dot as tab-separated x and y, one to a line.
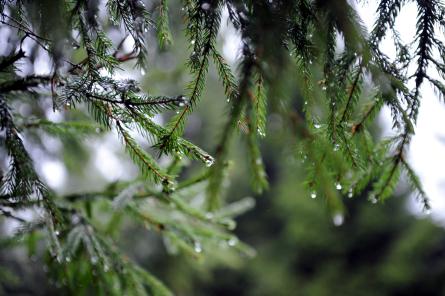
197	247
209	162
350	193
142	72
56	232
317	126
193	42
313	194
338	186
338	219
205	6
232	241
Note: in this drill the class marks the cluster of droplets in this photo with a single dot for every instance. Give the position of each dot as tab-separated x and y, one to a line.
261	132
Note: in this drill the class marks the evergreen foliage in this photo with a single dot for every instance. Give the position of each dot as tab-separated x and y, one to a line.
343	76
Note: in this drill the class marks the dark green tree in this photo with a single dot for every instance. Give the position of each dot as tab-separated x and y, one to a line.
341	75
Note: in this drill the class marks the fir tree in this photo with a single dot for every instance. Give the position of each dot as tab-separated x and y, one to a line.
343	87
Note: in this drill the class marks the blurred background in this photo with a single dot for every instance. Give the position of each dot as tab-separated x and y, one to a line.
381	249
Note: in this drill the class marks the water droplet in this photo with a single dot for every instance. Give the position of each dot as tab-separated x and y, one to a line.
228	100
336	147
98	130
182	9
142	72
310	35
317	126
258	161
177	112
305	102
145	30
313	194
338	219
197	247
193	42
57	233
324	88
261	132
310	62
373	199
428	211
209	162
350	193
205	6
338	186
290	54
232	241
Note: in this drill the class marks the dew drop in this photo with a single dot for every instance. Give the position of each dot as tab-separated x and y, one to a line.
350	193
373	199
313	194
209	162
192	42
145	30
338	186
57	233
324	88
336	147
197	247
142	72
338	219
232	241
205	6
317	126
67	259
177	112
